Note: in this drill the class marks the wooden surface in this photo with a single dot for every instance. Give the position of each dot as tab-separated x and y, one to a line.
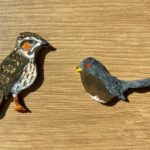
63	117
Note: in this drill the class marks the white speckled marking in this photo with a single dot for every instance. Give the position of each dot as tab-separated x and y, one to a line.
26	79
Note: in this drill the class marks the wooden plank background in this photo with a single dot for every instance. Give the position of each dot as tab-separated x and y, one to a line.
63	117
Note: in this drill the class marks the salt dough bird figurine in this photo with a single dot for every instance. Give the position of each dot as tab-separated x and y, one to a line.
18	70
101	85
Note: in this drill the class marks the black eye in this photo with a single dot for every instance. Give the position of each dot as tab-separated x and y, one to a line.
87	65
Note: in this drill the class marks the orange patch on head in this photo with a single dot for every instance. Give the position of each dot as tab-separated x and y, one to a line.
26	46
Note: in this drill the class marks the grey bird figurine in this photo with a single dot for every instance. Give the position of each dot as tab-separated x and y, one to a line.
18	70
101	85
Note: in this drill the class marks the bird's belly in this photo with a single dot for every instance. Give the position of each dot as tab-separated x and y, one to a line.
26	79
96	98
95	88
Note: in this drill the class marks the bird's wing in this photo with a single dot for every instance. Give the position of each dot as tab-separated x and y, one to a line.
10	69
1	95
115	86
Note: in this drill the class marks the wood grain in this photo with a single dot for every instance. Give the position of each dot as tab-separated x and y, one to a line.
63	117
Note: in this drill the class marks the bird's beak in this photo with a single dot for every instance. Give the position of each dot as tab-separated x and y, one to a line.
79	69
45	43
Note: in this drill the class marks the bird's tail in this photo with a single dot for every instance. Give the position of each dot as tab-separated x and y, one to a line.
137	84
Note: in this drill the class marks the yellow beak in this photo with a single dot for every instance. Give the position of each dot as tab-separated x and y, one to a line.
79	69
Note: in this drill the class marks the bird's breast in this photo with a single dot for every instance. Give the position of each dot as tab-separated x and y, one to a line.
29	74
95	87
26	79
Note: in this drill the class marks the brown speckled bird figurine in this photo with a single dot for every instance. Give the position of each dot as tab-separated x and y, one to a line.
18	70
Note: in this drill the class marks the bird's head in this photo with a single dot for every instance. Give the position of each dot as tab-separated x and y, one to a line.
91	65
30	43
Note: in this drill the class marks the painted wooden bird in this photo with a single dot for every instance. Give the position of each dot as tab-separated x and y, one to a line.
18	70
101	85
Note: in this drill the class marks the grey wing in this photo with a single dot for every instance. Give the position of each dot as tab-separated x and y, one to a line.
115	87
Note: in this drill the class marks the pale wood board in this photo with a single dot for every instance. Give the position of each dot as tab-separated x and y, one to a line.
63	117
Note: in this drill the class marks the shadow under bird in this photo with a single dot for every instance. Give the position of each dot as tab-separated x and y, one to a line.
101	85
18	70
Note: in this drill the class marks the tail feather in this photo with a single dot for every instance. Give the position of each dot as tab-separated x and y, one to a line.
137	84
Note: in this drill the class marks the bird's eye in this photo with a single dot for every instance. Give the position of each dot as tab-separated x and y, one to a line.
87	65
26	46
